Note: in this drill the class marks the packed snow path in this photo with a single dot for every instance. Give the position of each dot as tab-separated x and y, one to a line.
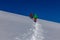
37	32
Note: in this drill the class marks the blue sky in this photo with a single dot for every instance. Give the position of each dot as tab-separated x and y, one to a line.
45	9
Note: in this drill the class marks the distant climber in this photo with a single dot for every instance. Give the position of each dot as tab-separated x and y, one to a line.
34	17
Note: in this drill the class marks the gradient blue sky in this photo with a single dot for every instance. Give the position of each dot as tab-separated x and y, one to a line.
45	9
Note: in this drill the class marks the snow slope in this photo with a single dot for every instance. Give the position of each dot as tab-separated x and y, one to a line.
18	27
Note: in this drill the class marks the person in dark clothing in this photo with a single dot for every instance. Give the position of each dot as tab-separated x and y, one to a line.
31	15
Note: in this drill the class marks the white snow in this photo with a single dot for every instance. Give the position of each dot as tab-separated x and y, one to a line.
38	32
18	27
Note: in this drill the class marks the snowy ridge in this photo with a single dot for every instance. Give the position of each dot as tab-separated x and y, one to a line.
31	28
18	27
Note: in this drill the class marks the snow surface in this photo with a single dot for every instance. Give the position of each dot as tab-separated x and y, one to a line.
18	27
